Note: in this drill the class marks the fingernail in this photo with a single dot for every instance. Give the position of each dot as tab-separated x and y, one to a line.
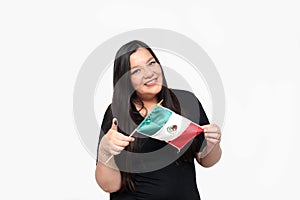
115	121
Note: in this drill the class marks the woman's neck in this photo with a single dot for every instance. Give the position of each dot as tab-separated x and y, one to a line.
148	103
148	100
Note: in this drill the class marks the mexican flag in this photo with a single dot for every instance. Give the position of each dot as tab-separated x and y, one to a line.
163	124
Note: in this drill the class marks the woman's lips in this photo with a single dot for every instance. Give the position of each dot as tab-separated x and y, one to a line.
151	82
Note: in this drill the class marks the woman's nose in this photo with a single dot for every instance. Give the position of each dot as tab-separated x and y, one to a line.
148	73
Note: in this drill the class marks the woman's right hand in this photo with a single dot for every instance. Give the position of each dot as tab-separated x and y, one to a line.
113	142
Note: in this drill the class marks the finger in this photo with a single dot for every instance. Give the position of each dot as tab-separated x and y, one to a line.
115	152
114	124
212	140
117	148
121	143
213	135
205	126
122	137
211	128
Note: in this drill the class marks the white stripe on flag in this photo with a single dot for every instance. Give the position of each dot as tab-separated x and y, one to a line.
173	128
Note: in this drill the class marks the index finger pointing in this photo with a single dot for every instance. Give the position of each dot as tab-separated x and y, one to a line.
125	138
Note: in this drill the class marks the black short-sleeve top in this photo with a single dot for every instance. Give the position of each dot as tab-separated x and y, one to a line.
177	179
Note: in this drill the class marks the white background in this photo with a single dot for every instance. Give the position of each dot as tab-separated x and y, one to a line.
255	46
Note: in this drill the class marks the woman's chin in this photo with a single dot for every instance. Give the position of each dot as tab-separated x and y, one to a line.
149	91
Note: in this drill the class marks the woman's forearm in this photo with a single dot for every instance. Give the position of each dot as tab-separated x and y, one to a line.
210	156
107	175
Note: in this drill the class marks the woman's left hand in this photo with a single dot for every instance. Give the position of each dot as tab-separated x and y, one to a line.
212	135
212	153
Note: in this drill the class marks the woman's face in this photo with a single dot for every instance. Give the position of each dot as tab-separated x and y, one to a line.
146	74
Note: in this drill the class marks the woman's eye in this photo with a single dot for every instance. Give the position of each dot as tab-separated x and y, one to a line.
135	71
152	63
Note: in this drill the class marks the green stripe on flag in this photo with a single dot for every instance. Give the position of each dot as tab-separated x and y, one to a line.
154	121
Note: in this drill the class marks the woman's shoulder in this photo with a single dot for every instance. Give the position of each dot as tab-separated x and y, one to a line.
108	112
107	118
190	106
184	94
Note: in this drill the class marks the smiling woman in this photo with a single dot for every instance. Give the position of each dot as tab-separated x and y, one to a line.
146	77
139	84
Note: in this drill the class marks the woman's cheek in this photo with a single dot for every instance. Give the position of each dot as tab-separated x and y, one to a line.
136	83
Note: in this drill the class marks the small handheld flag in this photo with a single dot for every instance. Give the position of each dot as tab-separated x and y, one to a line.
164	124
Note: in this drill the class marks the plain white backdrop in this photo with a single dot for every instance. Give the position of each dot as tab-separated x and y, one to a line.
255	46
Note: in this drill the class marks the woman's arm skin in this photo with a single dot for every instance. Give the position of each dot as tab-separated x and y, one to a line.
212	153
108	175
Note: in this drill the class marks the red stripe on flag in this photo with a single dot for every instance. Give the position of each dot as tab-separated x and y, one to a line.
189	133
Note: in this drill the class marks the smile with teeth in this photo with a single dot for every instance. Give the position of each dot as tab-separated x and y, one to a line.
151	82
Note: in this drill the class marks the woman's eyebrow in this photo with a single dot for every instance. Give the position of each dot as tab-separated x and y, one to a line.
149	59
145	62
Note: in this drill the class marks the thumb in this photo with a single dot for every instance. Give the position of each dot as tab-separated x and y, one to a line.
205	127
114	125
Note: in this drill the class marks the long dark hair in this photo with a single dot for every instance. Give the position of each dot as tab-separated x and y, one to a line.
124	97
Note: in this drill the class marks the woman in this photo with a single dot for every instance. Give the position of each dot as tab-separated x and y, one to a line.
139	84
